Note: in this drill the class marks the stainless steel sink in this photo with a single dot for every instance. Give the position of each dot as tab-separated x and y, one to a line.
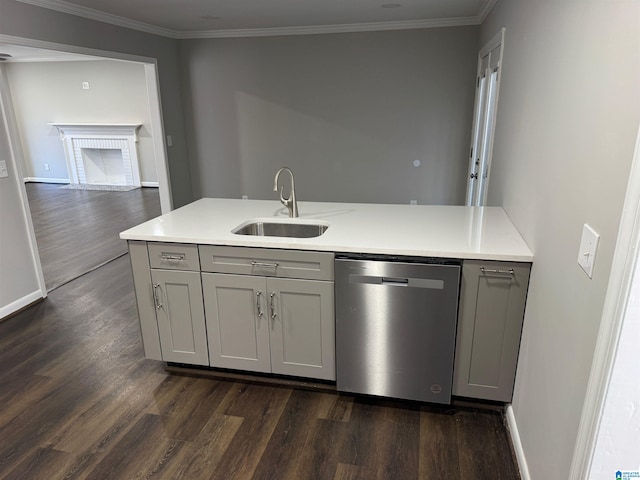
265	228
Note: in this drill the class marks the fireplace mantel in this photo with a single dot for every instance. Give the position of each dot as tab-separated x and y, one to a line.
84	137
101	129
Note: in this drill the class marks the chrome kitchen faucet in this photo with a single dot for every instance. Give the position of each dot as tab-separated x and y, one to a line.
290	202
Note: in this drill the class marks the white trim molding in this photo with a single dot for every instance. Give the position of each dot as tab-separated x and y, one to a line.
100	16
149	184
486	10
16	159
324	29
517	443
46	180
625	258
63	47
93	14
25	301
158	136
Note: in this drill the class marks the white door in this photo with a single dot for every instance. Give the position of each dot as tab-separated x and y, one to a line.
484	119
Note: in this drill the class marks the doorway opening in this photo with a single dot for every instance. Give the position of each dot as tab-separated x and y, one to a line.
75	230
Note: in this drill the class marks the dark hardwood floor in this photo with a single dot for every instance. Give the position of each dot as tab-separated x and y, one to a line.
77	230
79	401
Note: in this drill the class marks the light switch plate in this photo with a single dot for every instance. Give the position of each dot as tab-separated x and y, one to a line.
588	249
3	169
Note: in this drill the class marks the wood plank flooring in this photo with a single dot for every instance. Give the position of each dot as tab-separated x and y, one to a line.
77	230
79	401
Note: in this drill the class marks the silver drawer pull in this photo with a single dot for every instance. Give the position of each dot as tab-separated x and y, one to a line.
510	272
156	298
258	304
262	264
179	257
272	304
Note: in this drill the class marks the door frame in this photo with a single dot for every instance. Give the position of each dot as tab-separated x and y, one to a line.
156	124
15	154
483	174
621	278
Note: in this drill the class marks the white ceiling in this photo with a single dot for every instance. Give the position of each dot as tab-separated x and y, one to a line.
216	18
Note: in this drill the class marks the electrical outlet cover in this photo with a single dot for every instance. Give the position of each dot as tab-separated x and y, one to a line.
3	169
588	249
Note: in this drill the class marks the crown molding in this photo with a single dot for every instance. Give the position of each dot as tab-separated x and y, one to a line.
51	59
486	10
323	29
92	14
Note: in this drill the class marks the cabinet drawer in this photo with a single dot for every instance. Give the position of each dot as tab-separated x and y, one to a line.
174	256
267	262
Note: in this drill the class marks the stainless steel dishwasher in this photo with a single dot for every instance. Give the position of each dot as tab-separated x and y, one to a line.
396	326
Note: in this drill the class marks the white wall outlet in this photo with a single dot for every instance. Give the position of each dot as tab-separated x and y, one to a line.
85	85
46	167
413	202
169	141
3	169
588	248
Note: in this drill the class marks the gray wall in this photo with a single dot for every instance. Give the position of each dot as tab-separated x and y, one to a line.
349	113
23	20
18	277
52	92
567	123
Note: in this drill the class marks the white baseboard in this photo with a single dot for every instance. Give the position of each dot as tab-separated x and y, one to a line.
517	444
20	303
66	180
46	180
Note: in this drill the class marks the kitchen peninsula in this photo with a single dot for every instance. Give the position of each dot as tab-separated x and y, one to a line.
208	296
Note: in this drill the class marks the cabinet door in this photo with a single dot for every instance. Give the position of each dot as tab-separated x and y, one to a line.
302	328
180	315
492	301
237	321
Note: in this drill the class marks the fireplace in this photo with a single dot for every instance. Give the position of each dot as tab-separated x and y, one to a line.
101	154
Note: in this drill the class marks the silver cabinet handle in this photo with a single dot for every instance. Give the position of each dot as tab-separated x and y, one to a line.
262	264
259	304
272	305
156	298
509	272
180	257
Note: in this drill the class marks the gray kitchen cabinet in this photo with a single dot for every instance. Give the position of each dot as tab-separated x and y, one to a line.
492	302
169	299
237	326
278	325
180	316
267	262
302	328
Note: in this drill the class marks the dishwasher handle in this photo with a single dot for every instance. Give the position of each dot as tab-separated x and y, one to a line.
400	282
431	283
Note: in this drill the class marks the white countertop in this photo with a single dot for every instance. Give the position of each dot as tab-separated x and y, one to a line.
482	233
